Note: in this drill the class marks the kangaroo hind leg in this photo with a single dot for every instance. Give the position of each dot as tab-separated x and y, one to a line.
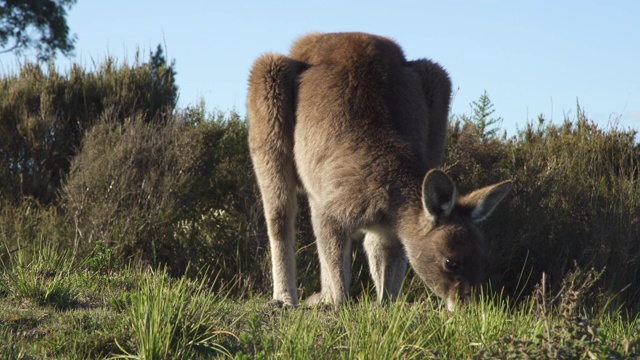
271	112
334	252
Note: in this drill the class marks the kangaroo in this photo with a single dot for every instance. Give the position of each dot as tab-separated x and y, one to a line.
346	119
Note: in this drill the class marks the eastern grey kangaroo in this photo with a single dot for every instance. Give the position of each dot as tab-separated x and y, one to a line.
346	119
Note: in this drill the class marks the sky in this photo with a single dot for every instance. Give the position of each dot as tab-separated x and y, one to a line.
531	57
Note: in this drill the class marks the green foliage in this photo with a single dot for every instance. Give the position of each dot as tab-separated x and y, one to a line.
170	193
169	322
394	332
491	328
20	19
88	326
179	189
576	197
487	126
43	279
101	260
571	330
29	225
162	79
123	187
30	329
44	116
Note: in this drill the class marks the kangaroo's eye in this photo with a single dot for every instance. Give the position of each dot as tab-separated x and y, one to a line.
452	265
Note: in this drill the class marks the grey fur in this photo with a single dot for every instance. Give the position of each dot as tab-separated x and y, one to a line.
346	119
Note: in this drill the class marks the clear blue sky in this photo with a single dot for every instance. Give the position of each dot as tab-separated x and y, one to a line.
531	57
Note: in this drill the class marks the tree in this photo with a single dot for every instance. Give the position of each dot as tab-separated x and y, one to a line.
36	24
482	110
163	75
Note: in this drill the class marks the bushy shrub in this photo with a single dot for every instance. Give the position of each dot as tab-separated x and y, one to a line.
228	218
576	197
169	192
44	115
117	190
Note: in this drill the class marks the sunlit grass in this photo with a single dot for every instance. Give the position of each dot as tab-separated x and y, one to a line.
171	319
45	278
136	313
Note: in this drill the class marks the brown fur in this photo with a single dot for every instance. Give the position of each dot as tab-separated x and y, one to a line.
349	121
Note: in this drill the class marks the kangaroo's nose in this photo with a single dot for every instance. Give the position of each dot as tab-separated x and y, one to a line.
459	295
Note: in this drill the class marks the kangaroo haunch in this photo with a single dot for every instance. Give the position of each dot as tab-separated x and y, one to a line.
346	119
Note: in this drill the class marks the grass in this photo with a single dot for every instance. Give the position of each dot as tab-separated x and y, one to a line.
134	313
45	280
171	319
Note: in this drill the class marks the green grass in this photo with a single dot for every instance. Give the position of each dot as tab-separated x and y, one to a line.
135	313
45	280
171	319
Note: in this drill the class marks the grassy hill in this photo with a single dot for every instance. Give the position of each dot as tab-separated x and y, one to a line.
131	228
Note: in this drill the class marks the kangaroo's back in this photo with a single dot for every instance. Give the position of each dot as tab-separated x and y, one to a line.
358	87
348	50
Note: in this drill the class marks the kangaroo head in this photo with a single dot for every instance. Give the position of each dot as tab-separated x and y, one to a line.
448	253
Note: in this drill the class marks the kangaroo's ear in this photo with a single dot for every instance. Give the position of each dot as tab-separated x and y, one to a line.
438	194
482	202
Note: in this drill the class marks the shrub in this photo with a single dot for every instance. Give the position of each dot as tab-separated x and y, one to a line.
124	187
576	198
170	192
44	115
